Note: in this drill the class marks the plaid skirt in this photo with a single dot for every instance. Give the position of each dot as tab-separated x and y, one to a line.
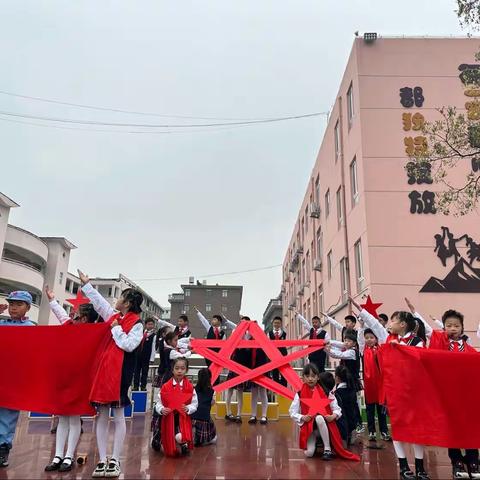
205	431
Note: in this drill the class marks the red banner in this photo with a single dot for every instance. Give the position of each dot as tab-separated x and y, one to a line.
50	369
432	396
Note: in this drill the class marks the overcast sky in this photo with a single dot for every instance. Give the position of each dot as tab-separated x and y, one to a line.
179	204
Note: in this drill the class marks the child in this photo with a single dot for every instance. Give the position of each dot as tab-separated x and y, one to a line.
18	306
345	391
176	436
172	350
349	357
368	346
204	428
277	333
451	339
182	329
350	323
401	327
311	428
316	332
117	362
68	426
145	355
383	319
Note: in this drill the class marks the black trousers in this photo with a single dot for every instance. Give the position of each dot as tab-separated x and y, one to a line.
470	457
382	418
141	373
278	377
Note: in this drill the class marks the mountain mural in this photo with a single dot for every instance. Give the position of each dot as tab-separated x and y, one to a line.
463	278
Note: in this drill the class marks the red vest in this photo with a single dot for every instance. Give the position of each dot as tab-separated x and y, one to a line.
440	341
371	375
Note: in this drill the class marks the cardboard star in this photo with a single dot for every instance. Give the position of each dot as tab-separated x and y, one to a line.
221	359
371	307
317	405
80	299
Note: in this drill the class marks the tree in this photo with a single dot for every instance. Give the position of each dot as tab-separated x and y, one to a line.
453	141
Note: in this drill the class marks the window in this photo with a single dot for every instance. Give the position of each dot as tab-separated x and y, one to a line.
354	181
339	208
110	292
224	309
224	293
319	245
359	265
187	292
329	264
117	292
209	293
317	191
308	268
303	228
75	288
68	285
186	308
336	135
320	299
327	203
306	219
344	278
350	105
60	278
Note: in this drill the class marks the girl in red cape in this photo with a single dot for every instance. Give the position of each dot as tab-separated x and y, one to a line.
115	370
368	346
319	425
177	400
452	339
401	330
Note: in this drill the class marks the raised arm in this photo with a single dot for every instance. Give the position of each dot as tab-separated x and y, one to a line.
335	352
232	326
377	328
128	341
164	323
101	306
154	350
55	307
361	340
203	320
428	328
304	322
333	322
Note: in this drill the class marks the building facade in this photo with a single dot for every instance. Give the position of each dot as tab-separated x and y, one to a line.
111	289
274	309
225	300
367	227
29	262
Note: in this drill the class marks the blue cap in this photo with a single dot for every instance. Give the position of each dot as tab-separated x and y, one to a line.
20	296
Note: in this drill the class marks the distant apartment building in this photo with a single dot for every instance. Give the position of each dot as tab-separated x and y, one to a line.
211	300
111	289
368	226
29	262
274	309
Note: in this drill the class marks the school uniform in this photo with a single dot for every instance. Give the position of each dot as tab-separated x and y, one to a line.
204	427
145	355
348	399
319	357
275	374
183	333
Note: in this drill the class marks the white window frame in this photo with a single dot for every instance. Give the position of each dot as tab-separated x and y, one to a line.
208	307
354	181
336	136
329	264
359	265
187	292
338	196
344	278
327	203
350	105
224	293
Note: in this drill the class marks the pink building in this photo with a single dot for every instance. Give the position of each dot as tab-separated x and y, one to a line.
365	227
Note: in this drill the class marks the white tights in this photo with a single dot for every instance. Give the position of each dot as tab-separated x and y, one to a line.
68	427
324	435
262	393
102	432
228	401
400	449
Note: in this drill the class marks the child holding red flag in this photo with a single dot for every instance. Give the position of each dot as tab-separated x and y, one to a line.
177	400
115	371
313	426
401	331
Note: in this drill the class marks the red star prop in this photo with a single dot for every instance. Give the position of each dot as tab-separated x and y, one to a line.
371	307
77	301
221	359
177	400
317	405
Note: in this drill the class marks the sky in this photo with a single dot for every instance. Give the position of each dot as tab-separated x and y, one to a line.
178	203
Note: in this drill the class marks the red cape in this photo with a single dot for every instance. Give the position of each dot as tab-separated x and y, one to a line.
307	428
371	375
168	394
440	341
107	381
432	396
50	369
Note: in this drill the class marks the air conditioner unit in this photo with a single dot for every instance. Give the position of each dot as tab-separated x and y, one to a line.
318	265
314	210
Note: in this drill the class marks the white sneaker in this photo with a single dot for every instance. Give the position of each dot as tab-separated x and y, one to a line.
99	471
360	428
113	469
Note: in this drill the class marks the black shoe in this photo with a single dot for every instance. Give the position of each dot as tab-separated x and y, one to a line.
53	430
263	421
184	448
66	465
474	471
252	420
238	419
4	452
407	474
328	455
54	465
155	444
422	475
230	418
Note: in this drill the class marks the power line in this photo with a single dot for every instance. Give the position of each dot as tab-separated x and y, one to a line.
150	125
270	267
116	110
